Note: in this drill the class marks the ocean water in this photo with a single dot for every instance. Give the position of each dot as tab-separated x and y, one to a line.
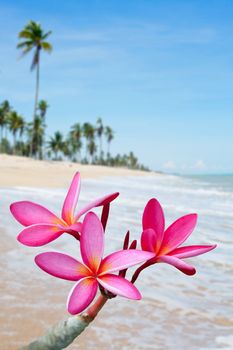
177	311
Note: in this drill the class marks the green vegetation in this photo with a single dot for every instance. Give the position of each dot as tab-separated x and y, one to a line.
85	143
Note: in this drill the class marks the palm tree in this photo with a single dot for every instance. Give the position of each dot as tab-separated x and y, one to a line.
68	149
34	38
42	107
5	146
36	132
56	144
92	149
75	139
132	161
2	125
100	131
88	133
16	125
109	135
4	112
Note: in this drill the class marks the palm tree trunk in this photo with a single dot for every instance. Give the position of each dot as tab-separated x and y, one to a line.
108	154
21	146
14	138
79	156
100	140
36	99
41	149
86	149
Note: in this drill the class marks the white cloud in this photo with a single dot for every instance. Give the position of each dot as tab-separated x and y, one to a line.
169	165
199	165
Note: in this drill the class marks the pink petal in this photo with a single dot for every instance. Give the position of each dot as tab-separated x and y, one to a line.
29	213
92	241
123	259
179	264
178	232
192	250
71	200
40	234
75	227
62	266
81	295
149	240
119	286
153	217
98	202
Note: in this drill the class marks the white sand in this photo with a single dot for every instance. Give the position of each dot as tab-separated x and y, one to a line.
22	171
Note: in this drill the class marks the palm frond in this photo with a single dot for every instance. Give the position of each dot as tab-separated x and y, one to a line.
46	46
46	34
26	50
35	38
25	43
25	34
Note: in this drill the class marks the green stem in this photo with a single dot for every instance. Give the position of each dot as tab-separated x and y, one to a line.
63	334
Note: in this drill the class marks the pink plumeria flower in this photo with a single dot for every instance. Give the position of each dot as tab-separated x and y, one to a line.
94	270
42	226
166	244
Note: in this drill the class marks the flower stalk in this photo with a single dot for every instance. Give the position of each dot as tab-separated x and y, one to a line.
65	332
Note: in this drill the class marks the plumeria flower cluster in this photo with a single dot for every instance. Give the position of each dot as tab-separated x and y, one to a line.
94	271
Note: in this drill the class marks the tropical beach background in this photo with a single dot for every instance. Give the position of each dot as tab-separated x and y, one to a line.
137	96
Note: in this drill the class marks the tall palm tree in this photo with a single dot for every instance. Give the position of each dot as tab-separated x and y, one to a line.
75	139
36	132
100	131
88	133
68	149
132	161
56	144
16	125
92	149
109	136
42	110
4	112
34	38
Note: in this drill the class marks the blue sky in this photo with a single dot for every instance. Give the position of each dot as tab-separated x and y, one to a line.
159	72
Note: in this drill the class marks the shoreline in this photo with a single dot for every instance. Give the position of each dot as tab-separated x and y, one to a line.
22	171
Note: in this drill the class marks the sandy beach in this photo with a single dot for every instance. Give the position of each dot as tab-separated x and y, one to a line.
22	171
